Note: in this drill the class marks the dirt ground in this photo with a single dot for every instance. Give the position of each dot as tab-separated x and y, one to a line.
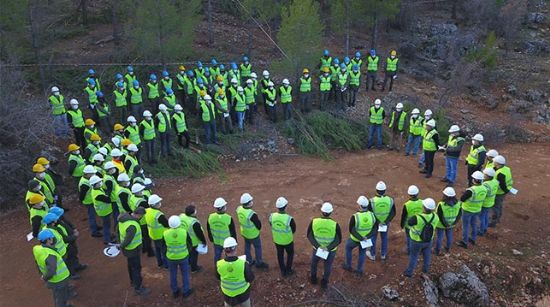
306	183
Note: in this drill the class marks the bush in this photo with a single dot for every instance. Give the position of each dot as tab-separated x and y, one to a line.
486	55
186	162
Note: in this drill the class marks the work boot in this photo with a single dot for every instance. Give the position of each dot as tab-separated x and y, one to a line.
472	242
176	294
289	273
347	268
422	171
75	276
197	269
187	294
313	280
143	291
97	234
370	256
81	267
428	176
462	244
384	257
406	154
262	265
444	179
324	283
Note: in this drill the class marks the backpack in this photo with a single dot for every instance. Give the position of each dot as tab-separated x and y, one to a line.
427	232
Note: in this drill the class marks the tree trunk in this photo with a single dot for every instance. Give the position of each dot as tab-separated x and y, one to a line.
35	44
210	38
347	25
374	30
160	31
115	22
249	47
84	10
453	10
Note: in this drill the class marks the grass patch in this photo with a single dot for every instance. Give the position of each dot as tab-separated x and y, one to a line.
186	162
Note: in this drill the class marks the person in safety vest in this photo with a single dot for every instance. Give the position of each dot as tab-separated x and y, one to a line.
139	199
397	125
76	122
271	101
334	69
240	107
49	221
180	126
153	93
421	237
246	68
121	101
118	159
147	133
235	276
207	109
40	176
326	60
427	116
37	210
34	189
136	99
476	157
472	201
164	127
59	113
283	228
130	237
90	91
181	79
250	227
305	91
491	184
285	93
491	154
383	208
452	154
193	226
178	245
391	69
219	227
325	235
354	83
52	179
263	87
325	87
85	197
342	86
415	133
356	60
110	185
131	160
156	225
250	92
376	119
503	174
430	145
362	227
102	206
129	77
103	110
449	214
52	267
372	70
411	207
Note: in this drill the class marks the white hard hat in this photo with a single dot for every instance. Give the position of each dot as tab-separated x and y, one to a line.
154	199
132	147
477	175
147	181
415	111
492	153
89	169
131	119
431	123
270	83
240	89
207	97
103	151
429	203
381	186
428	112
136	188
454	128
73	102
123	178
286	82
174	221
249	81
116	152
229	242
147	113
253	75
115	141
363	201
162	107
281	202
499	160
377	102
489	172
413	190
265	73
55	89
449	192
478	137
178	107
246	198
327	208
94	180
109	165
98	157
234	81
219	203
399	106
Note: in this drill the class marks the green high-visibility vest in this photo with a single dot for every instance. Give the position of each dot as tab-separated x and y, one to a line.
129	78
235	74
372	63
135	201
148	129
42	253
215	71
376	115
93	150
135	95
133	134
133	163
286	94
97	83
415	126
114	192
250	95
489	164
58	104
121	98
416	230
428	143
88	134
414	207
225	79
324	84
60	245
280	228
364	221
342	79
334	72
46	190
88	197
101	208
381	207
179	119
401	123
305	85
77	120
188	85
473	155
453	140
181	81
232	280
136	240
153	90
324	231
492	188
357	62
475	202
41	212
271	95
154	228
248	229
391	64
102	110
170	101
354	78
219	226
163	121
222	100
325	62
240	102
246	70
50	183
92	96
187	223
119	191
176	243
208	111
450	213
166	84
507	172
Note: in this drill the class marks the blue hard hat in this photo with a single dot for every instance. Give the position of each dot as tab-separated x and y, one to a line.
325	52
91	71
120	84
233	65
355	67
199	80
169	91
358	54
222	67
91	82
336	61
135	83
214	62
346	60
190	73
57	211
99	93
199	64
118	76
165	73
206	70
245	58
372	52
343	66
45	234
153	77
49	218
130	68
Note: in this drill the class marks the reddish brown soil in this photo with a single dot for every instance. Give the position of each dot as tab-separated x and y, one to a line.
306	182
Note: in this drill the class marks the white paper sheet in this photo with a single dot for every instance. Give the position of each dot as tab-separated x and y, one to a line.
321	253
202	249
514	191
29	236
243	257
366	243
382	228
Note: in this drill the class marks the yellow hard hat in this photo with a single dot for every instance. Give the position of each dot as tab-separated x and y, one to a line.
126	142
325	69
95	137
73	147
36	199
118	127
219	78
202	93
393	53
305	71
221	91
38	168
42	161
181	67
89	122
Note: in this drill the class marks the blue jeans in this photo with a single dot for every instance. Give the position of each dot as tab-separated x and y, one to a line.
240	120
408	240
484	220
384	236
413	144
257	242
448	233
350	245
217	253
160	252
375	129
91	218
422	158
327	265
416	248
106	228
210	131
61	125
451	163
184	268
469	220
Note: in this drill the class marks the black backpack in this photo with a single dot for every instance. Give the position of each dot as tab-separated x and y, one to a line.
427	232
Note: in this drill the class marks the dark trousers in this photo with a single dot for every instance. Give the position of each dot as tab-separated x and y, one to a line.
106	125
60	292
134	270
324	100
147	248
353	89
72	257
160	252
471	170
165	143
371	79
341	98
287	110
180	96
149	147
210	131
272	113
137	110
154	104
194	258
429	161
289	248
305	105
389	76
327	265
226	124
184	134
249	115
497	210
79	137
122	114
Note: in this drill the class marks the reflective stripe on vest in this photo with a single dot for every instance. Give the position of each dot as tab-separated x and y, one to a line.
324	231
376	115
176	243
232	279
280	228
475	202
428	143
248	229
473	156
179	118
76	118
148	130
372	63
286	94
154	228
219	226
381	207
136	240
58	104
